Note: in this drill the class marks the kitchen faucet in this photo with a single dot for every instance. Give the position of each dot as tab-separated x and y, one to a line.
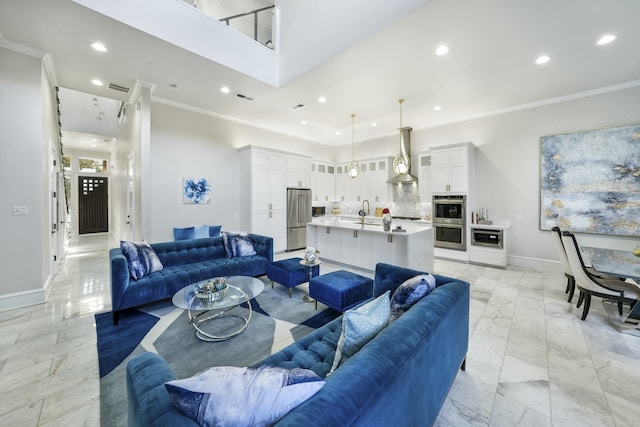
362	212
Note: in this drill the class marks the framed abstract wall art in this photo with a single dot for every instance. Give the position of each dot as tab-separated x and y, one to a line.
590	181
196	191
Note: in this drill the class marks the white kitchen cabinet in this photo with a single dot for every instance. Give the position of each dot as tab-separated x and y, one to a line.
298	172
269	196
323	182
424	177
371	184
452	168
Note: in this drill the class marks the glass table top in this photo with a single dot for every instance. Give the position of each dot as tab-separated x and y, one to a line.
240	290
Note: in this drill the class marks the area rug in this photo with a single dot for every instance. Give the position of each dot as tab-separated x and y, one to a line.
276	322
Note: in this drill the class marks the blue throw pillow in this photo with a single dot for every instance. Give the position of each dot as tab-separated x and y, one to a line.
232	396
410	292
183	233
237	244
214	230
201	232
359	326
141	258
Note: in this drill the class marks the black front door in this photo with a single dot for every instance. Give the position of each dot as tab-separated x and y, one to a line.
93	204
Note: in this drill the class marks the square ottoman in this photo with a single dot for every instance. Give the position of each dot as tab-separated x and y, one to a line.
290	273
340	289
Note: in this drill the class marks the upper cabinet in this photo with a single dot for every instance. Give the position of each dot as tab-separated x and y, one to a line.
323	182
371	184
452	168
424	177
298	172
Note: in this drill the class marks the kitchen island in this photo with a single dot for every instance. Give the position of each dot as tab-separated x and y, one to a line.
364	245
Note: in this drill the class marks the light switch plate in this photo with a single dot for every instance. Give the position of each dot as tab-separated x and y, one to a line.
20	210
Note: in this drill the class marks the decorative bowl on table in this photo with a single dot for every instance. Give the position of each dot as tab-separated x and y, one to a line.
212	290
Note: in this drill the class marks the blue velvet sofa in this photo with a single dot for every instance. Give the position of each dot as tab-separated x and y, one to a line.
399	378
184	262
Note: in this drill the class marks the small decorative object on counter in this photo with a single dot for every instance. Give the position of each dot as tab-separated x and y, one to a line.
310	254
386	219
636	251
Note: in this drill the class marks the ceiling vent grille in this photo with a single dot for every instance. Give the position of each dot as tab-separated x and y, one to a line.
298	106
245	97
118	88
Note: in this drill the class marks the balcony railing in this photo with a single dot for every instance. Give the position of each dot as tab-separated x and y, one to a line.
257	24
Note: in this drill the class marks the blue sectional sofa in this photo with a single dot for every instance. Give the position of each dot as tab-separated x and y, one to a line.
399	378
184	262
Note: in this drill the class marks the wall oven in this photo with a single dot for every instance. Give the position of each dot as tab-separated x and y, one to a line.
449	222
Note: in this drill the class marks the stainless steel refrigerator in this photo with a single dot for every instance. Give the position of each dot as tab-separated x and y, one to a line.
298	215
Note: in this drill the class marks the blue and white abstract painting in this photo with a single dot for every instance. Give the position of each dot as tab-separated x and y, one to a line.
590	181
196	191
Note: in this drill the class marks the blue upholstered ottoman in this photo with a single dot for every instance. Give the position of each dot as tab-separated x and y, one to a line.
340	289
290	273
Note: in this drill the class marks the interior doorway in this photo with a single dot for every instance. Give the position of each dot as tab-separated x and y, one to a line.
93	204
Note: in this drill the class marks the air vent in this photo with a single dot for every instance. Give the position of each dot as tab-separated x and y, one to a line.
245	97
298	106
118	88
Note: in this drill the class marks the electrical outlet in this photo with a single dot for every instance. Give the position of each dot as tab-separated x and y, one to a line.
520	217
20	210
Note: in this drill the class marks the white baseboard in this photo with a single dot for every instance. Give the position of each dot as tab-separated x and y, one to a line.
21	299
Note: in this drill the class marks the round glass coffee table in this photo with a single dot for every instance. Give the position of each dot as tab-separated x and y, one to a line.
241	289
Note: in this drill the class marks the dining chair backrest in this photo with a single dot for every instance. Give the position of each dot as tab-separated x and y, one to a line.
583	280
562	253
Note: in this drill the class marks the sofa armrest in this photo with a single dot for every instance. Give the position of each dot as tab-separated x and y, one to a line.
263	245
120	276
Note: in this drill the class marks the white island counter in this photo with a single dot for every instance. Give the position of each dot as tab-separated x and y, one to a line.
351	243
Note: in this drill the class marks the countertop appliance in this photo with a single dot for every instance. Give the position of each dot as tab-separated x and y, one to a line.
318	210
298	215
449	222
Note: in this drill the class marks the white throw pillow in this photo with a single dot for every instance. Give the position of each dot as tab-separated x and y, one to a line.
232	396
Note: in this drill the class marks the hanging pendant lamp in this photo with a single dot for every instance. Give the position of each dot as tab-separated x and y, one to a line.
401	162
354	167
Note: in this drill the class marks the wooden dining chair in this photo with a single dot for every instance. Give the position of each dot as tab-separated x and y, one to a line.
588	284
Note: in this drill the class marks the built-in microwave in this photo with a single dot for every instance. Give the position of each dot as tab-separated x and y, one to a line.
488	238
317	210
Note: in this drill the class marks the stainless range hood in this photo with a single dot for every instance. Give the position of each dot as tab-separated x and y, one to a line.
403	160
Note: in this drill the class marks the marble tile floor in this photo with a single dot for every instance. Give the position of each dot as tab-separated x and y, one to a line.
531	360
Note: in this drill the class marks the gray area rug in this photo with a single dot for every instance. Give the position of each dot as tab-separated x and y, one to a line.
276	322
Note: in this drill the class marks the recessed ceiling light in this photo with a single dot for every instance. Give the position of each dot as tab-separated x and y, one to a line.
225	89
543	59
99	47
442	50
437	108
606	39
97	82
338	133
304	122
322	100
374	124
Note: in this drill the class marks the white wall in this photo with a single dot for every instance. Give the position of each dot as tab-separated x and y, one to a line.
190	144
21	178
508	161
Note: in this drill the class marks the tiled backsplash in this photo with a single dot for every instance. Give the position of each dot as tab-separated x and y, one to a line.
406	202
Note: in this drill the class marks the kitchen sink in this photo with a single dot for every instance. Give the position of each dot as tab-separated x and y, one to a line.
368	223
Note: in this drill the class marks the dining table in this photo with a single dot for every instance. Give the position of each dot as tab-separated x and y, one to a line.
615	262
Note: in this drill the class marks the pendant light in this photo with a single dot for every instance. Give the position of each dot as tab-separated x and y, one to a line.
401	162
354	167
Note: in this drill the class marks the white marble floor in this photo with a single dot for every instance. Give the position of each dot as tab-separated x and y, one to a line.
531	361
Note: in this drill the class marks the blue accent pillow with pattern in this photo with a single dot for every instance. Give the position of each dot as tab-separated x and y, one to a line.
141	258
237	244
410	292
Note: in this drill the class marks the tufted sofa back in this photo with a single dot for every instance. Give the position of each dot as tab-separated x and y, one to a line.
189	251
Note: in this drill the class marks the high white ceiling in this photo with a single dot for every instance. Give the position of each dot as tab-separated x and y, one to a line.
490	67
